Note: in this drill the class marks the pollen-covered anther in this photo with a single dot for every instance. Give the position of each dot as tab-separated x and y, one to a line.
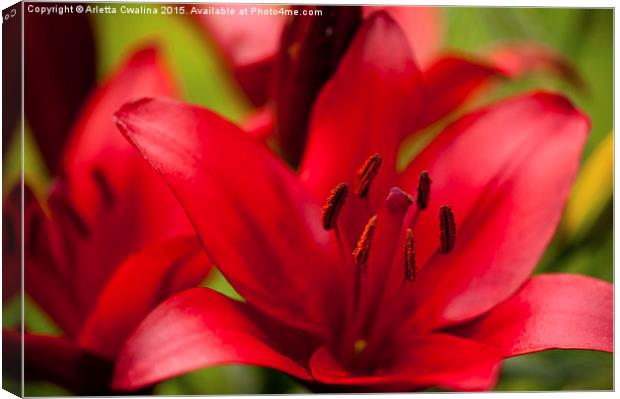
333	205
424	190
362	249
447	229
366	174
410	267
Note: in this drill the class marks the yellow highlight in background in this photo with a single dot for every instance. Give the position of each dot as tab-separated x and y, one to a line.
592	192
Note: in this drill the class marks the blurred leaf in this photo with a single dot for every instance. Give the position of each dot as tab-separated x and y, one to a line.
558	370
219	283
35	172
36	320
230	380
196	66
42	388
592	191
583	36
11	312
11	384
220	380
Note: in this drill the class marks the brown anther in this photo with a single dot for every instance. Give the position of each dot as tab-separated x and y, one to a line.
424	190
362	249
447	227
410	267
333	205
366	174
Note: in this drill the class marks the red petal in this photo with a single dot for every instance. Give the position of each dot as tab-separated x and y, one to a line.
109	184
59	360
59	70
436	360
448	83
522	58
423	27
255	220
201	328
259	124
553	311
11	239
94	135
139	284
351	121
46	278
310	50
504	170
249	42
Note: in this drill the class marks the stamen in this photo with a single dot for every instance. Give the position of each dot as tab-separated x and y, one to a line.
362	249
424	190
366	174
410	267
333	205
447	227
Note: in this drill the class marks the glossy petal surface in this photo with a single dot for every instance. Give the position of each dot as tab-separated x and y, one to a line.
550	311
506	171
200	328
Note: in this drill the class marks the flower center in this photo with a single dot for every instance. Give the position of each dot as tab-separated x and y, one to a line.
383	263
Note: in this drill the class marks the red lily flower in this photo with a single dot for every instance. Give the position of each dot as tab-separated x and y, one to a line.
250	43
285	63
372	292
110	223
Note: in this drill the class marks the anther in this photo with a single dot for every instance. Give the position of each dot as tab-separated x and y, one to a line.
424	190
362	249
366	174
447	227
333	205
410	268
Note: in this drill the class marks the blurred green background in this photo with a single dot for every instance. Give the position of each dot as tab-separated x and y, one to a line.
583	243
